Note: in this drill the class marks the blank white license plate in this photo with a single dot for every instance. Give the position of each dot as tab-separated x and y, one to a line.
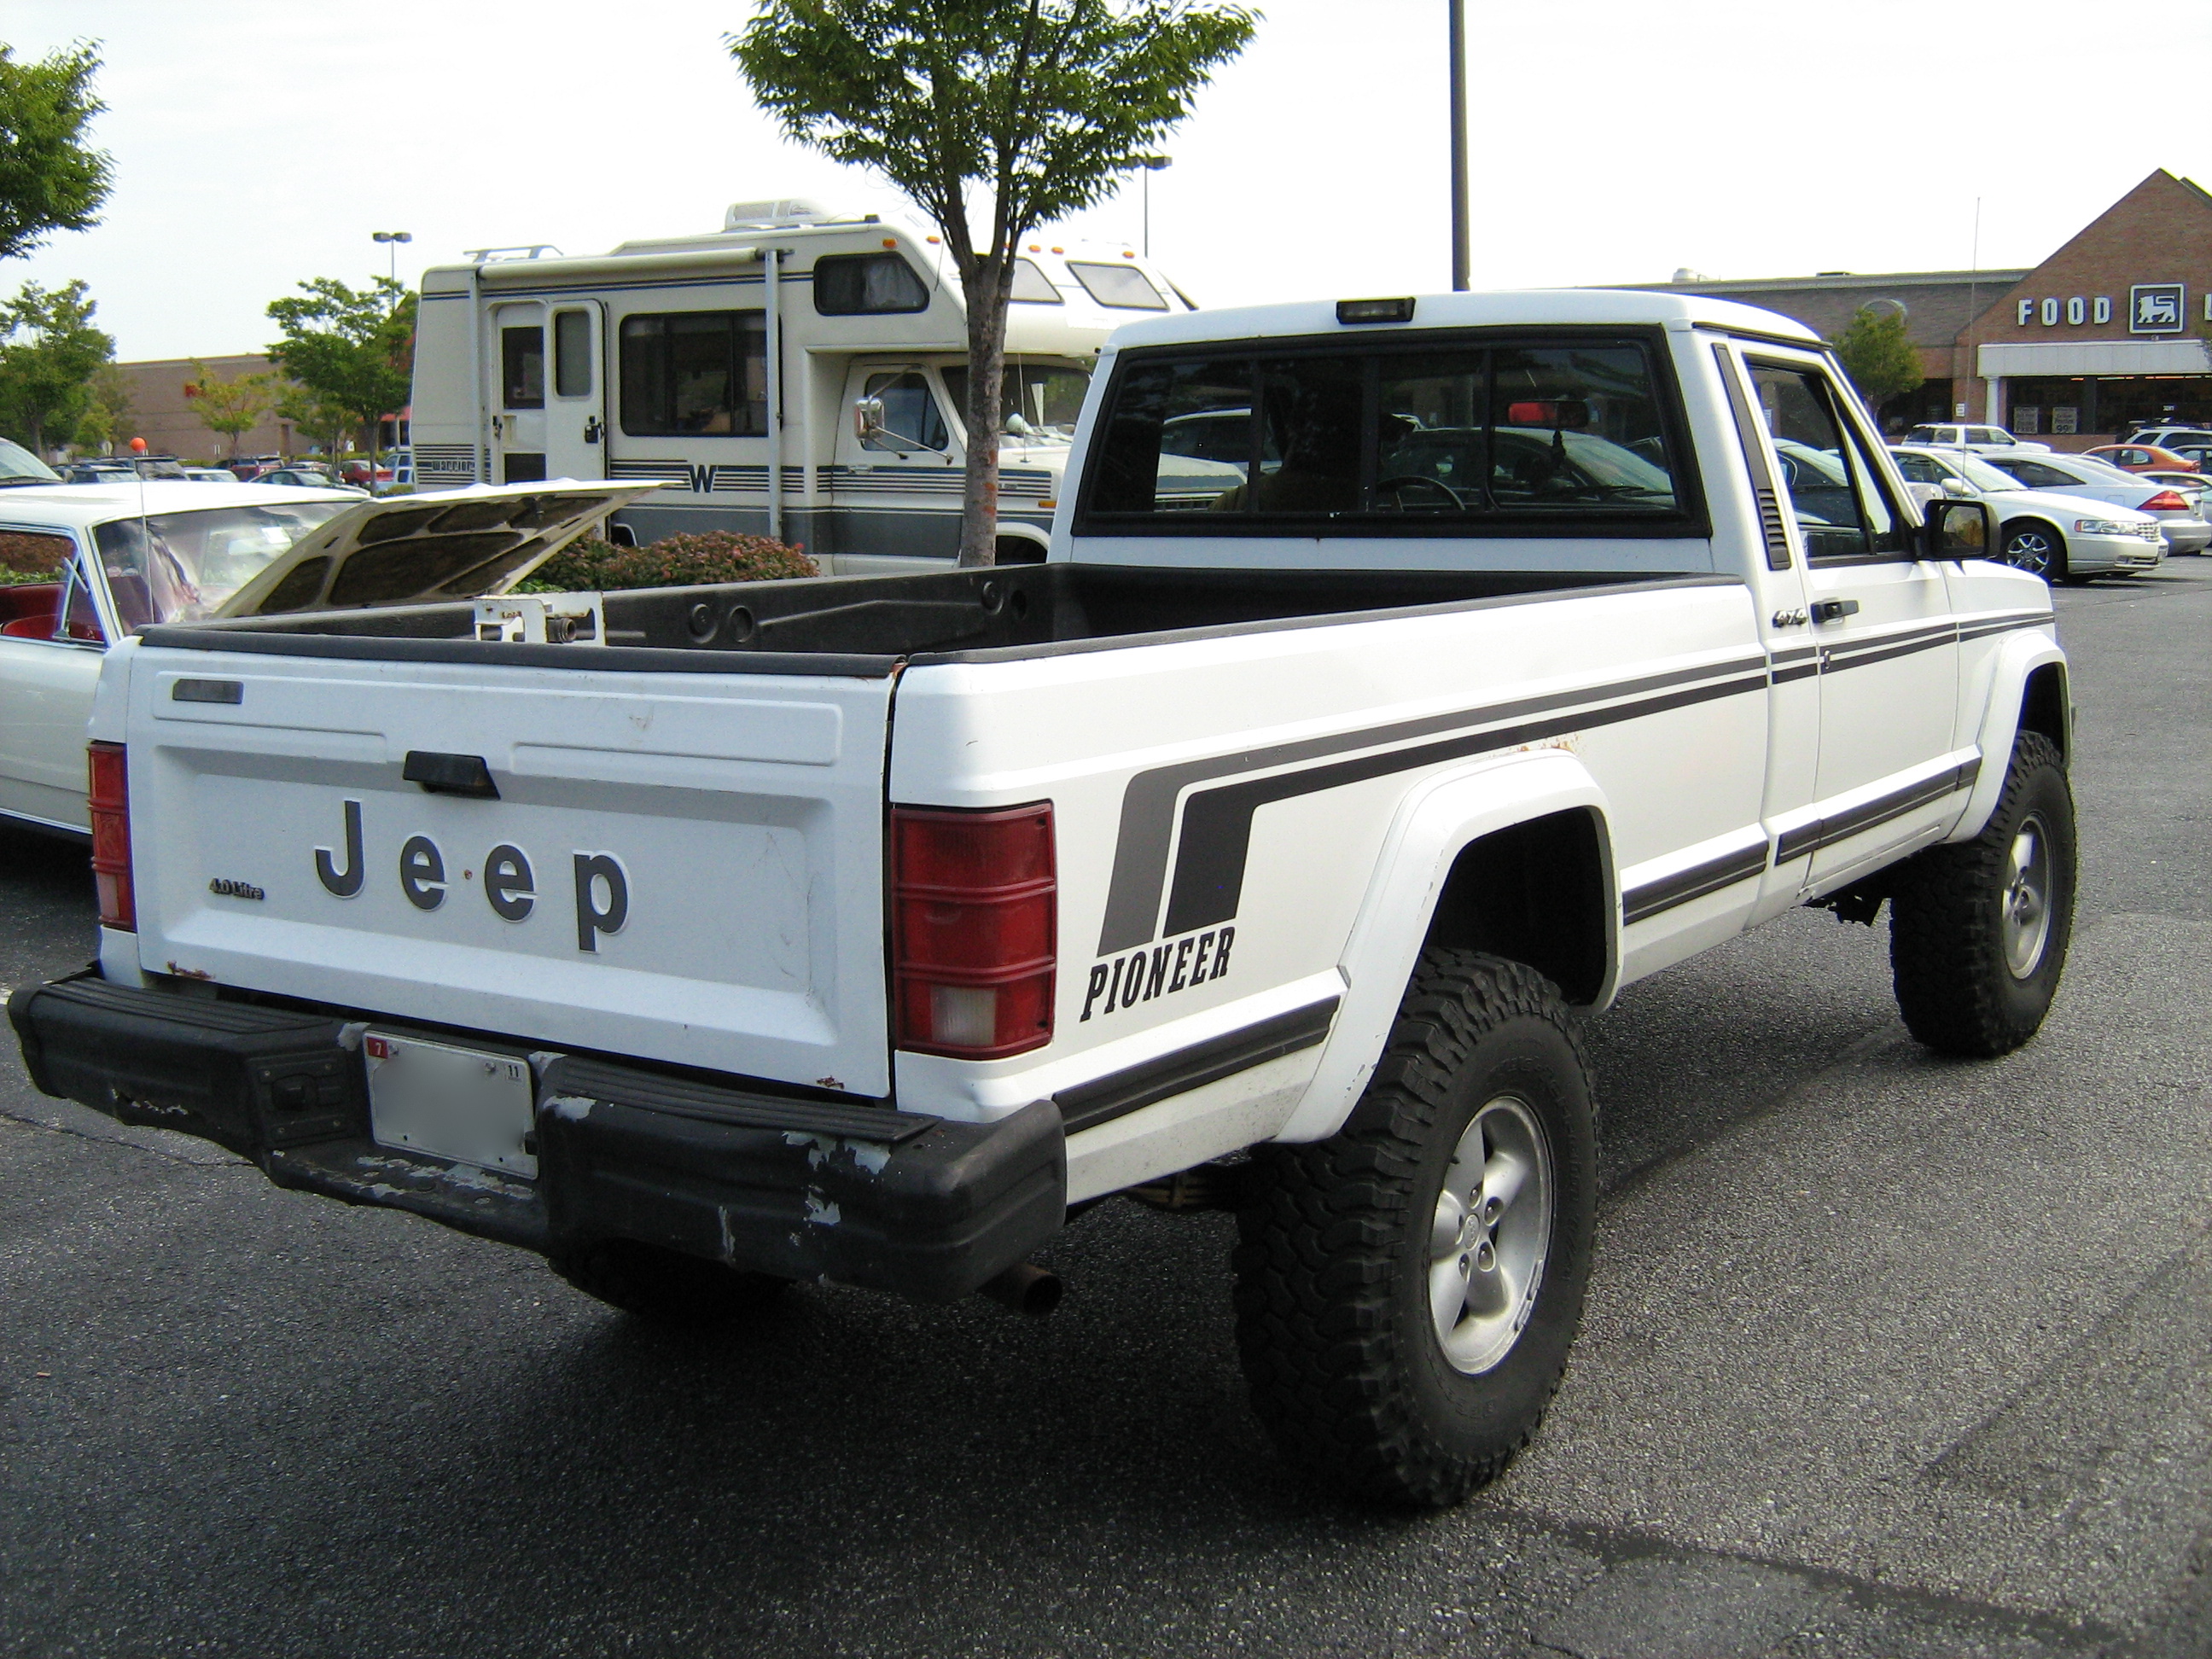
460	1104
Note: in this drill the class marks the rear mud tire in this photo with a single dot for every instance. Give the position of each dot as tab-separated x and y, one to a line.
1973	975
1342	1346
664	1287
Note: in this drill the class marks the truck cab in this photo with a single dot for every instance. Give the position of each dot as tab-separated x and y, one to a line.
728	368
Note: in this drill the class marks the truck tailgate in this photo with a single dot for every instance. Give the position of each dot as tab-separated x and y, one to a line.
686	866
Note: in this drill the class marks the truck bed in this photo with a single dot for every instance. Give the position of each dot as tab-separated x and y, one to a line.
867	623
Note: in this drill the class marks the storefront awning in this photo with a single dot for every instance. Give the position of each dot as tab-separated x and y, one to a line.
2094	357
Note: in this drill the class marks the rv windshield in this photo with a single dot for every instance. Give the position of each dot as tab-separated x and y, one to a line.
1040	397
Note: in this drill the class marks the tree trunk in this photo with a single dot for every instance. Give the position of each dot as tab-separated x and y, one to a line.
987	296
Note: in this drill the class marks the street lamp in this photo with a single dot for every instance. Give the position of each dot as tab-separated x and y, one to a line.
1152	164
393	238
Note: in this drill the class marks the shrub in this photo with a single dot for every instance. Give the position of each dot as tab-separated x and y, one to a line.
706	557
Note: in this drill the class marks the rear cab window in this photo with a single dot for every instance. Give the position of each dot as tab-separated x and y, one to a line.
1479	432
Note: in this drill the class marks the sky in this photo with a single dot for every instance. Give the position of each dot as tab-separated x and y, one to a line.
259	143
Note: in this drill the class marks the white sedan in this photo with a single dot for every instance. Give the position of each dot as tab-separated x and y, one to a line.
2061	538
2178	511
81	566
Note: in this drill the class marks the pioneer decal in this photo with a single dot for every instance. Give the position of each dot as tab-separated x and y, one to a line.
1161	972
601	884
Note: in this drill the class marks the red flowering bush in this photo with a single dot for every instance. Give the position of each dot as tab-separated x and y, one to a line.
706	556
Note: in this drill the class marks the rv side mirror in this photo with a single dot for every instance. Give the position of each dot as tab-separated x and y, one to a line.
1959	529
868	417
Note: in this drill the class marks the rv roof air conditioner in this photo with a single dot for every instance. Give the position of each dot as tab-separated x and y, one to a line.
778	214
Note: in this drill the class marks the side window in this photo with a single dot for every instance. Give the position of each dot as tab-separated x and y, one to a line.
522	367
35	568
76	615
911	417
2036	476
1840	512
695	374
572	354
1918	469
856	284
1179	438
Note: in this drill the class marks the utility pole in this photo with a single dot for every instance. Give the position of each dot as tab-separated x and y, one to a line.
1460	236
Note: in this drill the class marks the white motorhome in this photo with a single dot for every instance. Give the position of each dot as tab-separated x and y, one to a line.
728	366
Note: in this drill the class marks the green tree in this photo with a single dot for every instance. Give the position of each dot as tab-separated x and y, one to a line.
108	418
352	349
1877	352
317	422
1035	109
231	407
49	180
49	353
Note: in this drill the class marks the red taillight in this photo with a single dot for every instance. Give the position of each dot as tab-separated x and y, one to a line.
974	898
2166	501
111	837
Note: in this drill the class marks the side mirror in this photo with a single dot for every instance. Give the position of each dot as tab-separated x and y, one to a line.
868	417
1958	530
1957	487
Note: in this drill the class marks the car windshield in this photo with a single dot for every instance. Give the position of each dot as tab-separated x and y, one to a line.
1040	400
19	466
198	560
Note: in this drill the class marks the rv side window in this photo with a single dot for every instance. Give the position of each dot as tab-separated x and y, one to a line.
522	365
702	372
851	284
1460	437
1032	286
1122	287
572	354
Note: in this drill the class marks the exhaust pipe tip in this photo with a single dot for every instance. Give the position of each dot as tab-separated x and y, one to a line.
1025	1288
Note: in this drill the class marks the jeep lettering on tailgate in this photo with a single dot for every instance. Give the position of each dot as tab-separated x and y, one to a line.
510	885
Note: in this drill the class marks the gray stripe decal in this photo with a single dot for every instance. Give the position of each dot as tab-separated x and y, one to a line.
1827	831
1640	903
1148	803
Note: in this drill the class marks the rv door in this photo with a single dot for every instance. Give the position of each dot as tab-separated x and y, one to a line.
517	374
575	389
899	472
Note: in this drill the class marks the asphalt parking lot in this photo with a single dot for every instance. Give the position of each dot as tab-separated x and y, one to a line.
1885	1356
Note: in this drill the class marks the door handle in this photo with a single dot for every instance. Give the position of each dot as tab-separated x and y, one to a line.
592	430
1834	609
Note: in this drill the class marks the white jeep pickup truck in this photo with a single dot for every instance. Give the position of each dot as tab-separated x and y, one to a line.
1263	849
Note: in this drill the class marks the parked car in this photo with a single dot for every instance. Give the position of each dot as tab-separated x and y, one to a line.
2171	437
1969	437
2045	533
119	557
245	468
2143	458
2181	514
211	475
357	473
18	467
94	472
301	477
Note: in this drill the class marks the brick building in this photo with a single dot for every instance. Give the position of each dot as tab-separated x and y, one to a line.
2109	333
166	418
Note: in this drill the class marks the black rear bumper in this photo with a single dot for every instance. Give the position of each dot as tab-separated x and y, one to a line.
804	1189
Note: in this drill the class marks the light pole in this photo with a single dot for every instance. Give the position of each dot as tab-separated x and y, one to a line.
1152	164
392	239
1460	252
